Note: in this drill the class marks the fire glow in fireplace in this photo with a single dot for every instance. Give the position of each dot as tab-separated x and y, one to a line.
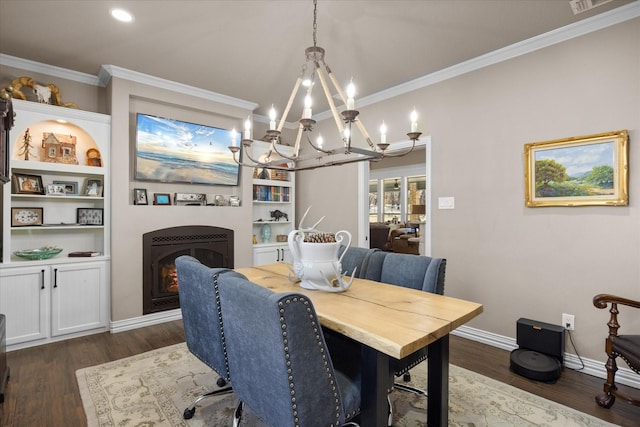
212	246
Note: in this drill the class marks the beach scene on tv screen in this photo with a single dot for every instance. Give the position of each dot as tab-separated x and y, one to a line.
170	150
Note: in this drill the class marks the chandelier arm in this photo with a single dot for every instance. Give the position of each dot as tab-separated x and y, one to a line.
244	164
317	147
257	162
296	86
404	153
327	93
273	148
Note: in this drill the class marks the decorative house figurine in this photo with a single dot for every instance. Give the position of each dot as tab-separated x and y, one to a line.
59	148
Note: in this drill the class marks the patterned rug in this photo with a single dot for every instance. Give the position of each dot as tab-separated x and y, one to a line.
154	388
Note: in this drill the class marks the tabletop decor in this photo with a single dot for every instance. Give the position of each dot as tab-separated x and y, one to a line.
315	257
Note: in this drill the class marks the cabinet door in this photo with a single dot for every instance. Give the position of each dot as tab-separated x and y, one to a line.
78	297
24	300
271	254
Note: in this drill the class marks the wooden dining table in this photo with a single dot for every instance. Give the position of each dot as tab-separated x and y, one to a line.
391	322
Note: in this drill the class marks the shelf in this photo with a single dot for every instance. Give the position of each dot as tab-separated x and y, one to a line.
56	198
270	222
273	183
58	168
57	227
270	202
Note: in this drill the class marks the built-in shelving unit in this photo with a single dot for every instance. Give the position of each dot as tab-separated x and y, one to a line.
58	197
273	210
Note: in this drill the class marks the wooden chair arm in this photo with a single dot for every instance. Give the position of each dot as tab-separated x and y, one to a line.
601	301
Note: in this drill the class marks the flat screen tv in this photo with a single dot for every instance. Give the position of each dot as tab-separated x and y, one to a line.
170	150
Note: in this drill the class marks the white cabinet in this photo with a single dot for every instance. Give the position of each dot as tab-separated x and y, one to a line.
273	210
59	195
268	254
44	302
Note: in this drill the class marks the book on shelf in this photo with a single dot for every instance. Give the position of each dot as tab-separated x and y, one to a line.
84	254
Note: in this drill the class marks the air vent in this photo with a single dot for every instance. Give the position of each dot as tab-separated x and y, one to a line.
579	6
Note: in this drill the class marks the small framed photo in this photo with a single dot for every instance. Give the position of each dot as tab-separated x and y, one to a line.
162	199
55	190
24	217
90	216
93	188
27	184
140	196
70	187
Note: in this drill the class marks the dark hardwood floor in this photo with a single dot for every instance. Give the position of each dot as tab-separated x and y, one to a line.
42	388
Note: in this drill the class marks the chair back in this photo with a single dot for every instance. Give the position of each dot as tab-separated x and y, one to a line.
201	315
411	271
356	258
279	362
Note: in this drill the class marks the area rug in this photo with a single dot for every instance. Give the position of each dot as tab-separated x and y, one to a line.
154	388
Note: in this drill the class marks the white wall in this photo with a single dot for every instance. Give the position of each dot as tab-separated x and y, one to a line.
520	262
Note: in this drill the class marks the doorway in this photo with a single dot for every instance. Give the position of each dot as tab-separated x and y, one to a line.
364	174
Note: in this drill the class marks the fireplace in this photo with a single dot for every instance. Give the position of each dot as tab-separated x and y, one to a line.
212	246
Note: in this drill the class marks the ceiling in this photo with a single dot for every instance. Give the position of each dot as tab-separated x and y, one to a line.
254	49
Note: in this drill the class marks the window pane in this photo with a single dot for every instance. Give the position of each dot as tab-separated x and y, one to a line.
416	194
373	200
391	194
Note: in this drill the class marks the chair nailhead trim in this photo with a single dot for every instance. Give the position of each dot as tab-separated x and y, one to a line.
319	342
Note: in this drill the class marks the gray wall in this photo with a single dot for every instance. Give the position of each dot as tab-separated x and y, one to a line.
520	262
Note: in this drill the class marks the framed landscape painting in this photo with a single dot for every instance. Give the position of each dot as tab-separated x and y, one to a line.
578	171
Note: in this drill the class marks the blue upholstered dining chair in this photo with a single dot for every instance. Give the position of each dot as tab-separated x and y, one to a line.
356	258
411	271
279	363
201	316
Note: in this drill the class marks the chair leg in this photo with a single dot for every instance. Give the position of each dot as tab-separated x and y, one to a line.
188	413
237	415
607	399
410	389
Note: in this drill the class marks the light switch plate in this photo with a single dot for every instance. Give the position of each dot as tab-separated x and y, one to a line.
446	202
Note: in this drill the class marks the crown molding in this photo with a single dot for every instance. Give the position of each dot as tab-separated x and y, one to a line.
109	71
583	27
51	70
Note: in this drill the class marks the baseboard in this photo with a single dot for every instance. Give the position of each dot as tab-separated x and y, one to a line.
571	361
146	320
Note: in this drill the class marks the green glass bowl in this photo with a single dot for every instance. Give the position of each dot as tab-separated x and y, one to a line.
40	253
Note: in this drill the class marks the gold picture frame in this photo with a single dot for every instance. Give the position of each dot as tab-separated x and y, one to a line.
579	171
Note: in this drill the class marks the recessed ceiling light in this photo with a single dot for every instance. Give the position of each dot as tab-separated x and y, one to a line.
121	15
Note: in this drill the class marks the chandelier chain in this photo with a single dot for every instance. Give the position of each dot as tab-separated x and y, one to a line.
315	23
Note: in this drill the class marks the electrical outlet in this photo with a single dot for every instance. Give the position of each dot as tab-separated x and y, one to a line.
568	321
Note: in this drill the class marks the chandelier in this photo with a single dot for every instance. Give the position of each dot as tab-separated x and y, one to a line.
274	158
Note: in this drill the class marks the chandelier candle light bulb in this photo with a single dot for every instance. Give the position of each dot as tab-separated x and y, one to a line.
272	118
414	120
351	92
383	133
307	107
234	136
247	129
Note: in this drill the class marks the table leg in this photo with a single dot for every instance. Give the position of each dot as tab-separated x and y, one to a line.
375	380
438	383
